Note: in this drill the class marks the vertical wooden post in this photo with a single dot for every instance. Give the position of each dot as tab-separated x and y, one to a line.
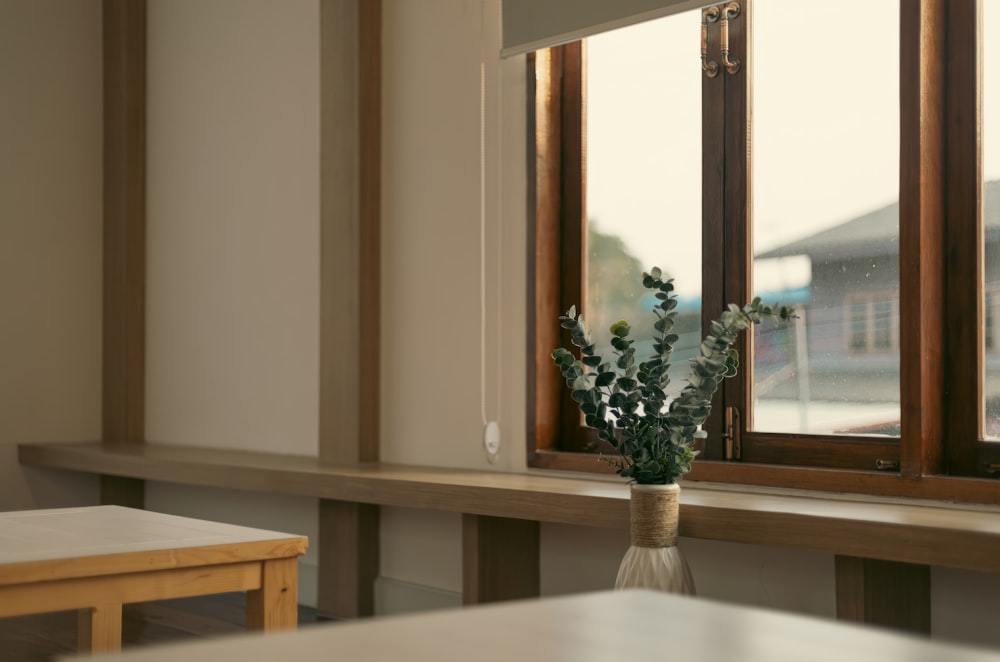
499	559
886	593
124	316
350	139
350	166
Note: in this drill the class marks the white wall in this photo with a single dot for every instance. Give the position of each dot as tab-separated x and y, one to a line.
50	241
431	384
233	245
233	224
434	399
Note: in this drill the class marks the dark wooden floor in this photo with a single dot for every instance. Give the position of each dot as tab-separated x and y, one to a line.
41	637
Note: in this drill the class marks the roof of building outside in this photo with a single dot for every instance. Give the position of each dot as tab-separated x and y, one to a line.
874	233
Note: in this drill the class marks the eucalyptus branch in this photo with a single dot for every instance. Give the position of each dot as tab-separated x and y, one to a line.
626	402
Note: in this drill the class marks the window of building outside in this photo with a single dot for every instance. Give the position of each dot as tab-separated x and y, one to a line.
643	159
872	324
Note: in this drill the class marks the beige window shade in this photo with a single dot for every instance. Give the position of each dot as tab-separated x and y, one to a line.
532	24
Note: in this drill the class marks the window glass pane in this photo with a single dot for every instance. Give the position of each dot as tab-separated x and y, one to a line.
643	142
991	210
825	148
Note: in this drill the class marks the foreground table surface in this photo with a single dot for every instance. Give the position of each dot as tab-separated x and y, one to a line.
96	559
607	626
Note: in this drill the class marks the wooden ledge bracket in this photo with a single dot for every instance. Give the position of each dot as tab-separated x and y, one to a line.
886	593
348	558
499	559
123	491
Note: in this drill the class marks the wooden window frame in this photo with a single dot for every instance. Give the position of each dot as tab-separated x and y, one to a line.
940	453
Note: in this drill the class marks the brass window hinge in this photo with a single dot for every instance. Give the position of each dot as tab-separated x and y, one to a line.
720	14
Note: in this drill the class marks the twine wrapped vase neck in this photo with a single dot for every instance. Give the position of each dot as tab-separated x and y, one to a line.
654	560
653	515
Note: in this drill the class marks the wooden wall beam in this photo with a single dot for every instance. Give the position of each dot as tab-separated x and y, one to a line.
122	491
500	559
124	220
884	593
370	215
124	262
350	190
350	165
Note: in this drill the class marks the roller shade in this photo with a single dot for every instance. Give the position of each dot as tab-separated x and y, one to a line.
532	24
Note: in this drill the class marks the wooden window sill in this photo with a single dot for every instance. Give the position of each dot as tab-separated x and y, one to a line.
906	530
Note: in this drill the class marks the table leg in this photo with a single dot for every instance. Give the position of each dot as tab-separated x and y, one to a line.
99	629
275	605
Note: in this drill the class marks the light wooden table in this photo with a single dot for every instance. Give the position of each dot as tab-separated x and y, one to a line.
630	626
98	558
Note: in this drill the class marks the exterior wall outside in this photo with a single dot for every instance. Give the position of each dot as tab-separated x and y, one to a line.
838	279
833	281
835	371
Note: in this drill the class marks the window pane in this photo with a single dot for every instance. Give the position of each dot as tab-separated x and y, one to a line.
825	215
644	178
991	211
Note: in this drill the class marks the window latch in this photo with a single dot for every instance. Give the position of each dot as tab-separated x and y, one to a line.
731	436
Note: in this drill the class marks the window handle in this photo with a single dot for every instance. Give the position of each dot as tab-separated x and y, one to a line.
710	67
730	11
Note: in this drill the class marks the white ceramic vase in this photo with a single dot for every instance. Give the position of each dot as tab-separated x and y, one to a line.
653	560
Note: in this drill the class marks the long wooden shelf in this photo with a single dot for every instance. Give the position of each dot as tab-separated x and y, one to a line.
517	496
931	533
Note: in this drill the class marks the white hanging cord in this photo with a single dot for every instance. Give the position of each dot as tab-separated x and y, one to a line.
482	234
500	227
491	428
